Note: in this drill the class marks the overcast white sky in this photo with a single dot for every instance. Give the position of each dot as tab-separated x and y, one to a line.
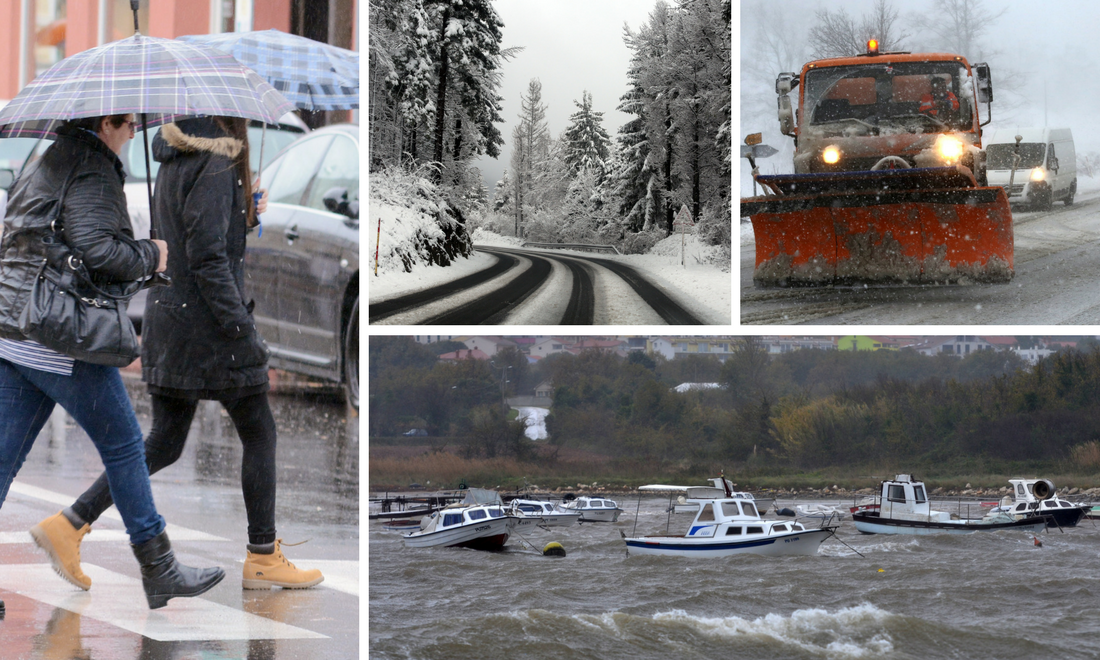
1050	46
570	46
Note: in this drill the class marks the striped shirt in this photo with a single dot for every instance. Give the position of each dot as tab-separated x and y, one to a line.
31	354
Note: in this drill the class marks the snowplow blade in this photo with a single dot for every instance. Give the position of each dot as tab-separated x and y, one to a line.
910	226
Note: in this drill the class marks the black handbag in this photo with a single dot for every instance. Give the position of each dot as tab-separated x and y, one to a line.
68	313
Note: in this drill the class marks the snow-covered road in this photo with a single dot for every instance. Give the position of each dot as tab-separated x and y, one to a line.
1057	263
551	287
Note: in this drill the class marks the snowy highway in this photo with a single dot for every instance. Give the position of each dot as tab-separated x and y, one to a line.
1057	263
537	287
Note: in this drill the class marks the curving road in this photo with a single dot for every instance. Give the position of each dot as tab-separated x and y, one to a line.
537	287
1057	263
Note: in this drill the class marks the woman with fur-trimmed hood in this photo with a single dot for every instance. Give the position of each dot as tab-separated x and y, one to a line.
199	340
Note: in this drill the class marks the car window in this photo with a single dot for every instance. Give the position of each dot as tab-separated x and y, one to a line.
14	152
133	157
271	143
288	185
340	169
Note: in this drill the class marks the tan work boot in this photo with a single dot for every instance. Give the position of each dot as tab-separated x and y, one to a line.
61	542
266	571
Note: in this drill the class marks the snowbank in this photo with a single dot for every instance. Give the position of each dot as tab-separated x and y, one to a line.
408	223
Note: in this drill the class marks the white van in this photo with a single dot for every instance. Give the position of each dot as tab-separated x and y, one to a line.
1048	164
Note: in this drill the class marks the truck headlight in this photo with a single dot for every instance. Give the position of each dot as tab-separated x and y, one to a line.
1037	174
831	155
949	148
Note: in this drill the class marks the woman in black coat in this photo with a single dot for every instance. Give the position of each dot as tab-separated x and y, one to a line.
199	340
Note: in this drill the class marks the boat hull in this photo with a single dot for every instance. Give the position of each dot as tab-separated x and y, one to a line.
482	535
871	523
605	515
802	543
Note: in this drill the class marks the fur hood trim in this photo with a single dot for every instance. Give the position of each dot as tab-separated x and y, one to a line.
222	146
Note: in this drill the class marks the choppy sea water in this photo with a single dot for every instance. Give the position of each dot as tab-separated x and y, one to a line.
989	595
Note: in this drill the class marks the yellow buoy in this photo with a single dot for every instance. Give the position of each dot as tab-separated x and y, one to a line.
553	549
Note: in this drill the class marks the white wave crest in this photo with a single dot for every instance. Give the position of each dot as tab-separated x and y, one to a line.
853	632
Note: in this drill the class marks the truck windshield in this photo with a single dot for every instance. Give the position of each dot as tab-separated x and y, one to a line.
999	156
925	97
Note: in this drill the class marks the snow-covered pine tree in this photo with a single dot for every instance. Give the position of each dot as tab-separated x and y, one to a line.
647	181
468	40
585	140
530	147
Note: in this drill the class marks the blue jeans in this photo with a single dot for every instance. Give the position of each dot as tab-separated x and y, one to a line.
96	398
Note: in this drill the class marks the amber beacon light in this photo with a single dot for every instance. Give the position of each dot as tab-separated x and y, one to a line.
872	46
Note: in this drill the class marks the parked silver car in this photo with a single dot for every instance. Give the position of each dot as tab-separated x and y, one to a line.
302	266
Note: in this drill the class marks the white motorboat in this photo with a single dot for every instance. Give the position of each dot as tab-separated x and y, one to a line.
479	521
726	525
903	508
544	514
594	509
1037	496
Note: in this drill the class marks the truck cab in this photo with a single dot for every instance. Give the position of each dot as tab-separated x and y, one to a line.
886	111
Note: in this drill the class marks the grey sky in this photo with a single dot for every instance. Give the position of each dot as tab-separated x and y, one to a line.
1045	50
570	46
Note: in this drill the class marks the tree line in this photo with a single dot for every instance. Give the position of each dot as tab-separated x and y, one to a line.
805	409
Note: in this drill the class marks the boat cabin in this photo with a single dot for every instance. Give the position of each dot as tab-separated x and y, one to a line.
734	517
905	498
1025	498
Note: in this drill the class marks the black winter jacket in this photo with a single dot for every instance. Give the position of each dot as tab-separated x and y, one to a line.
198	337
93	215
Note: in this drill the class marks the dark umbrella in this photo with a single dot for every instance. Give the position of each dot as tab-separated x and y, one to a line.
310	74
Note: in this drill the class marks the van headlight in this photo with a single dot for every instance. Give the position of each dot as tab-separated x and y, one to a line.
1037	174
949	148
831	155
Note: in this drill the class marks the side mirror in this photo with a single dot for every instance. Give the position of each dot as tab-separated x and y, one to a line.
985	82
1053	165
786	115
7	178
336	201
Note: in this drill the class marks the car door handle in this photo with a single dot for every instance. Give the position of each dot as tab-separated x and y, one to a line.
291	233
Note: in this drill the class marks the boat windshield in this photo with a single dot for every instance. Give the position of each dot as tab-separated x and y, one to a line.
706	514
999	157
476	514
495	513
452	519
918	492
749	508
914	97
730	509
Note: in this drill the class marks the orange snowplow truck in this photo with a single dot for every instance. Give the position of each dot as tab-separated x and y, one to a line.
889	178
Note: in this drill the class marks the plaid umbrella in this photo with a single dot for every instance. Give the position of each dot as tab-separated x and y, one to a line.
313	75
165	78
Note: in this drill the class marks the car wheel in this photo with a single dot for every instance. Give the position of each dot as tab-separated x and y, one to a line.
1072	193
351	357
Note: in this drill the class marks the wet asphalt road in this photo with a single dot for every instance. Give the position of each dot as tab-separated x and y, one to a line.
200	498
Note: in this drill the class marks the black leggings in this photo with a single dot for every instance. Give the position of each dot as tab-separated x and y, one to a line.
164	445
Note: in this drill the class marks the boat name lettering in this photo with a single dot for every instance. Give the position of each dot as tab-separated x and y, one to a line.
481	529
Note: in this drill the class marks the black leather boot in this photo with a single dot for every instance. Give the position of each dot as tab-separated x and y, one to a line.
163	577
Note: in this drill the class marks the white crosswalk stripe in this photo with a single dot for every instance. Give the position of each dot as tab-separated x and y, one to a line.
175	532
118	600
